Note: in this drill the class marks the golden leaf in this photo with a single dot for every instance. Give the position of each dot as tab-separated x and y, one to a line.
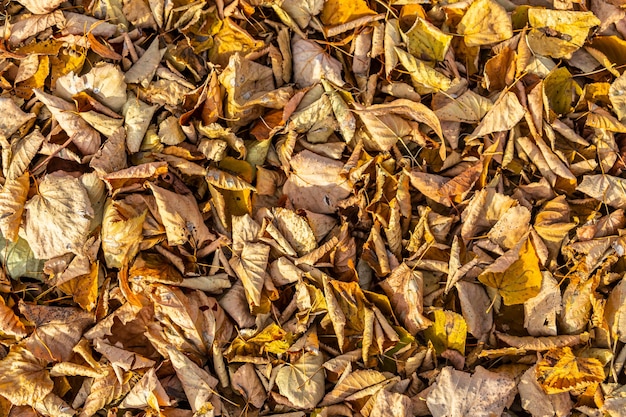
484	23
516	281
449	331
337	12
12	199
427	42
558	33
24	379
561	371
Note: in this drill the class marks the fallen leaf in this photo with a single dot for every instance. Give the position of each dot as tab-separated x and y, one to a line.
516	275
64	203
484	23
459	393
302	381
311	63
561	371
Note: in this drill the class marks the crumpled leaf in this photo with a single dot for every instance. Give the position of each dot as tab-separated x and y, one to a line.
86	138
316	183
64	203
197	383
355	381
537	402
448	331
12	198
41	6
405	289
181	217
615	311
144	69
458	394
302	381
250	87
426	42
12	117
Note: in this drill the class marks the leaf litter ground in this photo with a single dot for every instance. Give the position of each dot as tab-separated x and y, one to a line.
312	207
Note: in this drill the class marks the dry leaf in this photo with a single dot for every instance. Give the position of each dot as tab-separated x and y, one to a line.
537	402
405	289
86	139
458	394
561	371
64	203
516	274
484	23
311	63
302	381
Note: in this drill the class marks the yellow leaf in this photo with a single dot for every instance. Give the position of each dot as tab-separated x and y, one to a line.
338	12
122	227
484	23
84	289
24	379
561	371
449	331
230	39
24	88
518	281
425	79
426	42
558	33
12	199
558	87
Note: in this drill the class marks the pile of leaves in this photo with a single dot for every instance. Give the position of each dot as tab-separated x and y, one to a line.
312	207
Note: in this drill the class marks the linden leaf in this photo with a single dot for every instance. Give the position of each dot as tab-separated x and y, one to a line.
561	371
12	117
24	379
12	199
516	281
41	6
352	383
617	95
558	87
558	33
338	12
58	218
458	394
426	42
302	381
504	115
484	23
606	188
448	331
